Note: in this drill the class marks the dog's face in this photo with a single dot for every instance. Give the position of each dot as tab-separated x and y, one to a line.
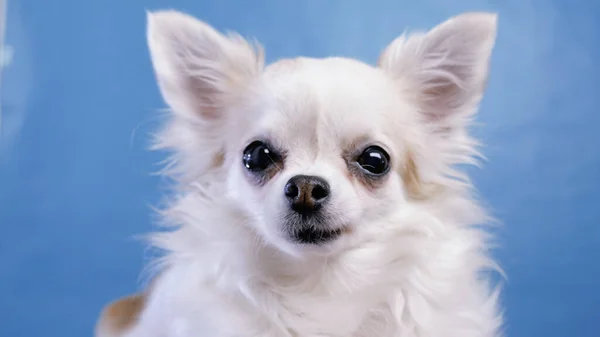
317	156
316	152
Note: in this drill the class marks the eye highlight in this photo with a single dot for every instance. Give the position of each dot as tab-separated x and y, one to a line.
259	156
374	161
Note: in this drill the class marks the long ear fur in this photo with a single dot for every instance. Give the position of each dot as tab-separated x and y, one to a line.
199	72
444	71
198	68
446	67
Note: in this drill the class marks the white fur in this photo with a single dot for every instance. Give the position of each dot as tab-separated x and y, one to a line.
409	267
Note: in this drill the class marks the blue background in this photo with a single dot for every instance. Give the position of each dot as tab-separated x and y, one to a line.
79	100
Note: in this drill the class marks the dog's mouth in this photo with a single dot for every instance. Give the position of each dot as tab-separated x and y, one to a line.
316	236
316	230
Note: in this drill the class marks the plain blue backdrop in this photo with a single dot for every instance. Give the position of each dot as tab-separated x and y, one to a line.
79	100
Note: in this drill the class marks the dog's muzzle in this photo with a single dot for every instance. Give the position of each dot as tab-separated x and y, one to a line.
307	221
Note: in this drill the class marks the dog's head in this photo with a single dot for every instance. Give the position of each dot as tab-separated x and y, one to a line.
317	151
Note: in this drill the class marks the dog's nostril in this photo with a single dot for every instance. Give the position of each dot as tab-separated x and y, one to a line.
291	190
319	192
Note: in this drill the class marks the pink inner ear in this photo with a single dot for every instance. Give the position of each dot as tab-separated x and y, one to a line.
198	68
438	99
448	89
447	67
205	96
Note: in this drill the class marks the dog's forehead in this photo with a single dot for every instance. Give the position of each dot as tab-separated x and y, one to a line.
342	95
326	77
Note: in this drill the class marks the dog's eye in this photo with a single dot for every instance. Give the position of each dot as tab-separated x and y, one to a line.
374	160
258	156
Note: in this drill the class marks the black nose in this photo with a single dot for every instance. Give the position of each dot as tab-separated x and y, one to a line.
306	194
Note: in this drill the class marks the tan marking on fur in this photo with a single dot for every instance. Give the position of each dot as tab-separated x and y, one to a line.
120	315
416	188
218	160
349	175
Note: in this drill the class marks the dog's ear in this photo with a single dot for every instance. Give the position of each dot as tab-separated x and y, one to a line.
446	68
198	69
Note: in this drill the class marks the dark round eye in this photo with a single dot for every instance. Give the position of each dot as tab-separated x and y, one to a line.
374	160
258	156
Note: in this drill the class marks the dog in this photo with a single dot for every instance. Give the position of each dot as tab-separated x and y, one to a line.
318	197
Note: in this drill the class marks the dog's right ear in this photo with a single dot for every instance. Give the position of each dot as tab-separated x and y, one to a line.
447	67
197	68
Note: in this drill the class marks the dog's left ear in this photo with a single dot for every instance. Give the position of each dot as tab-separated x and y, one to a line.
446	68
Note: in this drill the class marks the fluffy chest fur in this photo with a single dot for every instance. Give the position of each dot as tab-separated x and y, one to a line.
401	309
408	282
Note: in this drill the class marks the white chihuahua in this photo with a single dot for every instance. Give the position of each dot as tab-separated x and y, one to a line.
318	197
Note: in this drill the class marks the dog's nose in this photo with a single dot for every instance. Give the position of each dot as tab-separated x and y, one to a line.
306	194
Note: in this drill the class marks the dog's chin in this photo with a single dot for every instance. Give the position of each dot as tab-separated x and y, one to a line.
298	249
